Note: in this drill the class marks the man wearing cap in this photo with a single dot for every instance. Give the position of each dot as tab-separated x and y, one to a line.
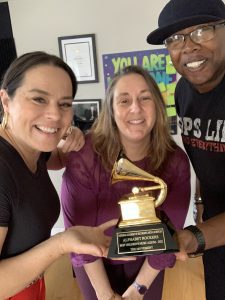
194	33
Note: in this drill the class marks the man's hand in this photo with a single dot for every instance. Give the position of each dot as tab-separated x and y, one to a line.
187	244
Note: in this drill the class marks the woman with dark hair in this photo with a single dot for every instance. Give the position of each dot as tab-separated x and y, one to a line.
133	119
36	97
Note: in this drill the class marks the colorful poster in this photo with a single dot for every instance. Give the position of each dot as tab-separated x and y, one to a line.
158	63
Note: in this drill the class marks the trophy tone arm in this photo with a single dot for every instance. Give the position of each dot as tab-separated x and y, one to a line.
162	194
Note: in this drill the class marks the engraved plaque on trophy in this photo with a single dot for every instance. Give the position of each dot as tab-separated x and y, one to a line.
140	231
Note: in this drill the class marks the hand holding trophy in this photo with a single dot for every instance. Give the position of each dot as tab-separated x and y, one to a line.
140	231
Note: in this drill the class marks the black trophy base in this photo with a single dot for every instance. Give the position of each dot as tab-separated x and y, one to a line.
142	240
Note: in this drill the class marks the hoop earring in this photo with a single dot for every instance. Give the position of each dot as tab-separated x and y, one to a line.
5	120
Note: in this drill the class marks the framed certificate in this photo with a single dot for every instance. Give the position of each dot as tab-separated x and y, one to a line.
79	52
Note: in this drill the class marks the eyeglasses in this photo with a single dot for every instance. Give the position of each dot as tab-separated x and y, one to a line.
199	35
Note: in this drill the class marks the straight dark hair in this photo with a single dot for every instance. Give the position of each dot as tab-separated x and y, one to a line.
13	77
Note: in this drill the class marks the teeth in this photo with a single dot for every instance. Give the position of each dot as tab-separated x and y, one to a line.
136	121
195	64
47	129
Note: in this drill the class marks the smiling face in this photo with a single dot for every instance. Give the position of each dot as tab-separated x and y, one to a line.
134	109
201	64
40	112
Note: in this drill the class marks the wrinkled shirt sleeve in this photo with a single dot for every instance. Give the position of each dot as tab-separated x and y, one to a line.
79	196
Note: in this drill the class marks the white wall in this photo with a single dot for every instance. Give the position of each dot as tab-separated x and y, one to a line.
118	25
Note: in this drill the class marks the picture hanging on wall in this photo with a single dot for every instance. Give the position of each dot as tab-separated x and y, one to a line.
85	113
158	63
79	52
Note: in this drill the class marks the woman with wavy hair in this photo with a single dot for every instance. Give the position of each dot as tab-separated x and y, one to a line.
133	120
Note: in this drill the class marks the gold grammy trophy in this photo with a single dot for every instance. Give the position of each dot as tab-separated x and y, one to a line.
140	231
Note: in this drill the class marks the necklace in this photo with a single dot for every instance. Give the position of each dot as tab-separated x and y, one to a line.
30	163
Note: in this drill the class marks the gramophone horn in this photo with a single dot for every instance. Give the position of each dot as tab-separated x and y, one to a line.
123	169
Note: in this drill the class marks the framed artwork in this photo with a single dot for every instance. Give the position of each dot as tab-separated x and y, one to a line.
79	52
85	113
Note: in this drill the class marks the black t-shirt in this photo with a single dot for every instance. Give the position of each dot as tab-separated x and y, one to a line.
29	204
202	122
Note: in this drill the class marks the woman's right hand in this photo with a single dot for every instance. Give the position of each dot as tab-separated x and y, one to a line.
86	239
114	296
117	297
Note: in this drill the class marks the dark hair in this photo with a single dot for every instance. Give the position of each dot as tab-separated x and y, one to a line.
106	139
14	75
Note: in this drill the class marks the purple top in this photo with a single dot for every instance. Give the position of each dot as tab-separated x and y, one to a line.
88	197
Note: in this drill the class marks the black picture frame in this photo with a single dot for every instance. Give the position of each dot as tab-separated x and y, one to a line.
79	52
86	111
